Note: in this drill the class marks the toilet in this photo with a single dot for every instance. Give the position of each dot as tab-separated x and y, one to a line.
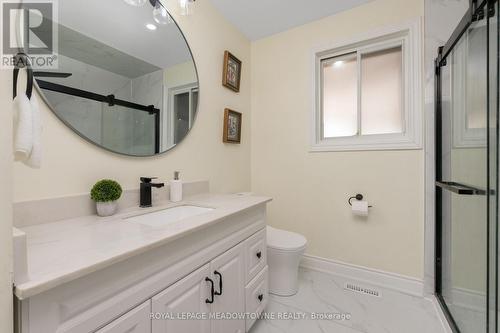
284	251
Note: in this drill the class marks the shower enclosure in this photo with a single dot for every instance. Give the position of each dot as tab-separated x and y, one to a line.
467	134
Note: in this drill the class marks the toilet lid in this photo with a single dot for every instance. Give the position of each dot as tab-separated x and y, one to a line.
284	240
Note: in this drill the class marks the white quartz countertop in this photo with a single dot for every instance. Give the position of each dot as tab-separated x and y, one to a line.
63	251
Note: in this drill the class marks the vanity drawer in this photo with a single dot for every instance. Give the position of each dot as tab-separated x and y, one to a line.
256	254
137	320
256	296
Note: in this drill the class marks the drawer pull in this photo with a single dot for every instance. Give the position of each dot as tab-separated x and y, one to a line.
260	297
259	254
212	291
218	293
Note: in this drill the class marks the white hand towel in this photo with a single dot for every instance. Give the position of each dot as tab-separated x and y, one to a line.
35	158
23	127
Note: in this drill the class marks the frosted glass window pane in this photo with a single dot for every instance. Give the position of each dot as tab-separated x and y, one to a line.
476	83
340	102
381	92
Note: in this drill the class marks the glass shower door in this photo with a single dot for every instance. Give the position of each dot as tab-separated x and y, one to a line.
463	182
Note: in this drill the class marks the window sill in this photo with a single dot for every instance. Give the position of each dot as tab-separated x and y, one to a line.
355	144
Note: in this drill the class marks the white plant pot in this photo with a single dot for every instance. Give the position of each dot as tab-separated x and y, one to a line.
106	208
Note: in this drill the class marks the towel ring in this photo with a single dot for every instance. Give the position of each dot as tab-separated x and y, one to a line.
21	60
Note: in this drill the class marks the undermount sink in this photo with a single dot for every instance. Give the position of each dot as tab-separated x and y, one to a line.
169	215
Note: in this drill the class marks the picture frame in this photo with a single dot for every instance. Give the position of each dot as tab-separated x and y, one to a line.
232	126
231	75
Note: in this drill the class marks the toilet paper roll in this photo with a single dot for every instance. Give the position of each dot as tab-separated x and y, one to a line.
360	208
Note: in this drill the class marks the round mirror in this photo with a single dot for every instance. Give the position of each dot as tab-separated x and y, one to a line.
125	78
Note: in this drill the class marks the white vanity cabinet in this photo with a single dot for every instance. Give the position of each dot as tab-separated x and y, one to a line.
230	269
256	254
256	296
166	289
187	296
192	296
135	321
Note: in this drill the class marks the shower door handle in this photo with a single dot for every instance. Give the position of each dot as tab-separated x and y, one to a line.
460	189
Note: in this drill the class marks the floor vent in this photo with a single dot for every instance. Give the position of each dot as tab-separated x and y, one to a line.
362	290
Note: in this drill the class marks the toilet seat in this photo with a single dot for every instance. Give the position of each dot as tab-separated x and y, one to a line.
283	240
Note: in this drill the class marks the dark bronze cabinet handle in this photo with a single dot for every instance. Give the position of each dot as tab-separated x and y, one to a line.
259	254
218	293
212	291
260	297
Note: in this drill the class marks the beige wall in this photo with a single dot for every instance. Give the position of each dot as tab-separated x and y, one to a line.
71	165
179	75
310	190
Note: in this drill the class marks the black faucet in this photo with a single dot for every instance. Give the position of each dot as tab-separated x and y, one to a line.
146	186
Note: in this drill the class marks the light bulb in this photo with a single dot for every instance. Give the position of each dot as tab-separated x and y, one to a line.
186	7
160	14
136	3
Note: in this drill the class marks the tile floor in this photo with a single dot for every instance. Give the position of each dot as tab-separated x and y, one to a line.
467	319
393	312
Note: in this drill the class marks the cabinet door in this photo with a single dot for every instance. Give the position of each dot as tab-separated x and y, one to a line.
185	298
229	266
137	320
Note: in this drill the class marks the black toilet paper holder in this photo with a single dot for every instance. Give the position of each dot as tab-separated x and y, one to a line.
358	197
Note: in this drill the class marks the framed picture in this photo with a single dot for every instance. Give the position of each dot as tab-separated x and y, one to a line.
231	75
232	126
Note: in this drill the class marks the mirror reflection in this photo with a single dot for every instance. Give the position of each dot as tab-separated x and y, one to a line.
124	81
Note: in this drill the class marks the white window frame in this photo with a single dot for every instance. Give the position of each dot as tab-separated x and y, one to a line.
408	35
189	88
463	137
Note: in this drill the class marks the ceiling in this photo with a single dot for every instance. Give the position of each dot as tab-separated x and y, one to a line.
261	18
122	27
91	51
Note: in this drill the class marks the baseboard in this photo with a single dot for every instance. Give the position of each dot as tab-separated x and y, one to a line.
400	283
469	299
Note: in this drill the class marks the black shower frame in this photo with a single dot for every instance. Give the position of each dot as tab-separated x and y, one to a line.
110	100
476	11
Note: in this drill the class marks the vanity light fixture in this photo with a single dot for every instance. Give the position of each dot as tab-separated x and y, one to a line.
160	14
186	7
136	3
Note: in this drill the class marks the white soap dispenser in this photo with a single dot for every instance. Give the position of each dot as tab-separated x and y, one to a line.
176	188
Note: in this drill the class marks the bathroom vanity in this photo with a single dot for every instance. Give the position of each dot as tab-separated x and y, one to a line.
181	267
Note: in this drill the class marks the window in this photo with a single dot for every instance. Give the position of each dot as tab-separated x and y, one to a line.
368	93
468	89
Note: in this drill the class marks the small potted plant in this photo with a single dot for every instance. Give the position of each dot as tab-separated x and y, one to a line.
105	193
